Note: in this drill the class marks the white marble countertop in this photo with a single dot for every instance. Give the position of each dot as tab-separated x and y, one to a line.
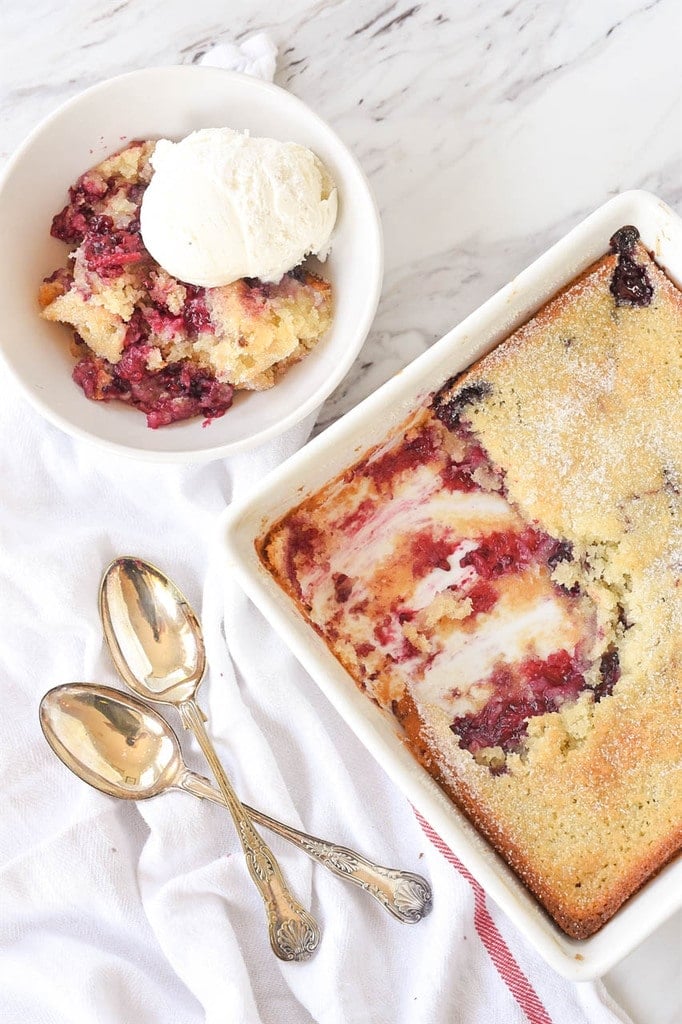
487	129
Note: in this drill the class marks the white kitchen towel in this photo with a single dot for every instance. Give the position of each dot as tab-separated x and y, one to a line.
255	56
116	913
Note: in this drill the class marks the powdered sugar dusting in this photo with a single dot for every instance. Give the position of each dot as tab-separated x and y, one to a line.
581	410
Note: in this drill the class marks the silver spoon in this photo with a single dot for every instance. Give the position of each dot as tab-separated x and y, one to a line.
156	643
124	748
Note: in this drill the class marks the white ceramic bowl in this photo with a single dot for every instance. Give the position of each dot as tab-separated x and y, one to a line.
340	447
170	102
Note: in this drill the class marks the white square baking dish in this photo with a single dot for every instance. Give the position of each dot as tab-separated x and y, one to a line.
339	447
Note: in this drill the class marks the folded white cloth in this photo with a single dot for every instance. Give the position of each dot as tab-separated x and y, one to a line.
116	912
256	56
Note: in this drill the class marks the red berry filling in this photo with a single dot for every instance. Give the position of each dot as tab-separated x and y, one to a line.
108	251
483	597
409	455
609	670
428	552
363	650
71	224
387	632
342	586
302	541
630	284
535	687
195	311
63	275
450	410
508	551
86	201
355	520
137	330
384	631
458	476
163	323
177	392
132	365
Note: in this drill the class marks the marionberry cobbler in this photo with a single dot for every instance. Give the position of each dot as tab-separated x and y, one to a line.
502	575
145	338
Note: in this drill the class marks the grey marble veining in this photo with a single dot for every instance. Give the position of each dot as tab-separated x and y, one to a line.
487	130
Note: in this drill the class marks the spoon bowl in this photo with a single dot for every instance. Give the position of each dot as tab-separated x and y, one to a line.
113	742
152	632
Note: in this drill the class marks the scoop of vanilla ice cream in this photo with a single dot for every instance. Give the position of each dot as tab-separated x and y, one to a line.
222	205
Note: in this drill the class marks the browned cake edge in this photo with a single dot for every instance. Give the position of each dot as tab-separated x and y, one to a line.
576	924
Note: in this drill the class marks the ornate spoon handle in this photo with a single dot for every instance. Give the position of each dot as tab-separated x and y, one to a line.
294	934
405	895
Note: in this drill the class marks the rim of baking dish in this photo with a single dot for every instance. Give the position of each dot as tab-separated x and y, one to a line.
341	445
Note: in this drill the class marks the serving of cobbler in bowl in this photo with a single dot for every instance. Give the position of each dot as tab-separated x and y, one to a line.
171	349
127	335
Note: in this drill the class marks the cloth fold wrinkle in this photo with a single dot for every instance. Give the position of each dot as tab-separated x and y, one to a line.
256	56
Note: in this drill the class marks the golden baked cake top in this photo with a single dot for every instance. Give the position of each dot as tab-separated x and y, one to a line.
503	575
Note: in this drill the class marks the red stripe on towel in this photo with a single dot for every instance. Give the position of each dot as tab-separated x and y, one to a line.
498	950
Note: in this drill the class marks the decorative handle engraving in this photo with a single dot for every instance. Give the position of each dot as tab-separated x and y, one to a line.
403	894
294	934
